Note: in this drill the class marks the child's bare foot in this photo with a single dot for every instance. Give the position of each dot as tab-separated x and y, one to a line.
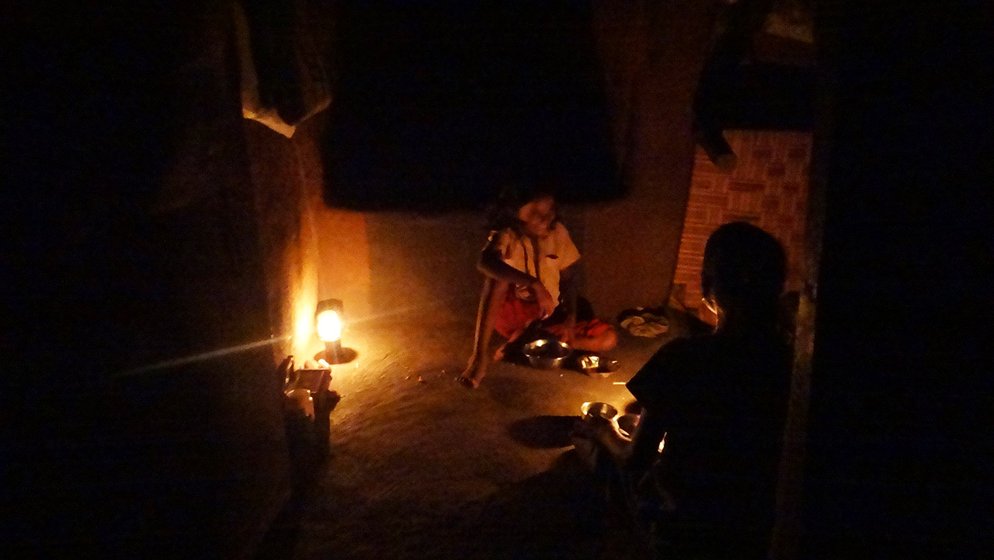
473	374
469	382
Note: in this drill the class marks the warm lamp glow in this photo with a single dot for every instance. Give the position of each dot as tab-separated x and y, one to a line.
329	325
303	325
329	320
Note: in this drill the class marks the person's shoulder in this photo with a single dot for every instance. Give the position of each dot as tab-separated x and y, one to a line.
767	346
502	237
678	356
673	361
684	347
504	232
500	242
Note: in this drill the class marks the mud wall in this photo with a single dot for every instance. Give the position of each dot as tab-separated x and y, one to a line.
158	246
652	54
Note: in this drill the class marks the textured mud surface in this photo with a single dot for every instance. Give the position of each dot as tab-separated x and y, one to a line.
422	467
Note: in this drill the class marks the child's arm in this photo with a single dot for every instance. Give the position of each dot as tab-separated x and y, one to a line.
492	265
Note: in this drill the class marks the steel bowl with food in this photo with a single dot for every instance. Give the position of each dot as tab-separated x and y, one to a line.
546	353
594	365
601	409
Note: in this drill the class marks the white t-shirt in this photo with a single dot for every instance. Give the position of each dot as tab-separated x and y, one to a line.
555	253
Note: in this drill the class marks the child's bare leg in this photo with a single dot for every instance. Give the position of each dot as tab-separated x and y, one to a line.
501	350
494	292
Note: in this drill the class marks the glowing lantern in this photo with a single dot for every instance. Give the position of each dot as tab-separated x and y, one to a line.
329	319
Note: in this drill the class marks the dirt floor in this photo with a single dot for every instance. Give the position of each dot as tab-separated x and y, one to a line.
422	467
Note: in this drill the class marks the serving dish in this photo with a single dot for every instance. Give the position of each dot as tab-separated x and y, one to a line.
546	353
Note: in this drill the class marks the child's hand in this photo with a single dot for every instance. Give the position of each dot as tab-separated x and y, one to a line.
544	299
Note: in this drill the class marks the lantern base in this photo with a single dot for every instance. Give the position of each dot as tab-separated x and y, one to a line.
338	356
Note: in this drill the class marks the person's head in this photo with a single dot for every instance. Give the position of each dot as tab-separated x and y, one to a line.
528	211
744	270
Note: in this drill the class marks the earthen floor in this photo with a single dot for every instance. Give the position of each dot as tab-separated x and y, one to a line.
422	467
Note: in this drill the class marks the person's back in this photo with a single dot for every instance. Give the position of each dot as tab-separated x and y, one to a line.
721	400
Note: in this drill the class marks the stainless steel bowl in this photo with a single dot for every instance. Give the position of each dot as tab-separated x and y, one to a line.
546	353
627	424
592	364
602	409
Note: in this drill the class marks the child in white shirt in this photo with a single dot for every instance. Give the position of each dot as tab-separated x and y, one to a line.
529	263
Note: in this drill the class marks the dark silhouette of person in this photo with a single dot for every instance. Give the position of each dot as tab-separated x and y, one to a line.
700	470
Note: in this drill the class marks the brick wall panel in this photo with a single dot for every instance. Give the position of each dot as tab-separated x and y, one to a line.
768	187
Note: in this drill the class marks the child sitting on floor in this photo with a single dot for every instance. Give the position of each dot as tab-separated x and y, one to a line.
529	264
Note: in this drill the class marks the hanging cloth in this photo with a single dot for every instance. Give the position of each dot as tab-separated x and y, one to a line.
284	81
